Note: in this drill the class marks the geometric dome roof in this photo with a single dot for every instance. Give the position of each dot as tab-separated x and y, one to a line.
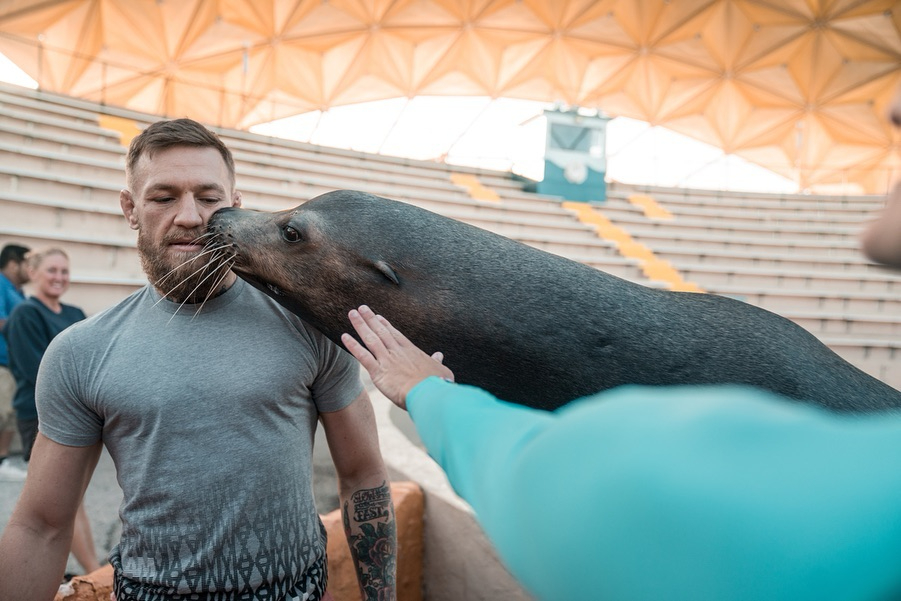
799	86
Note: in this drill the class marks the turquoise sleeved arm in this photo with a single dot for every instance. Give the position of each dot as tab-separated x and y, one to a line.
644	493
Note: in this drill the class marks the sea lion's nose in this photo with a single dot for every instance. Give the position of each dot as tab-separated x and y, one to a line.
219	220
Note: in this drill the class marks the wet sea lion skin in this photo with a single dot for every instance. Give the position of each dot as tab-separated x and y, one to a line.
528	326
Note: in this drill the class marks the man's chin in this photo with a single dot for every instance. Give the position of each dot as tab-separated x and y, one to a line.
185	251
181	274
188	285
176	255
191	291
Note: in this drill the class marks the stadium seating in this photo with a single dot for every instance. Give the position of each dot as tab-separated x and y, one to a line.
61	169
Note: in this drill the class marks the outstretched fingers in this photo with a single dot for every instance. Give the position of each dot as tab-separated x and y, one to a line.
377	337
360	353
396	335
394	363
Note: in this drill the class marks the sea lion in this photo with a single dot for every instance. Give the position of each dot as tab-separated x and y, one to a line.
528	326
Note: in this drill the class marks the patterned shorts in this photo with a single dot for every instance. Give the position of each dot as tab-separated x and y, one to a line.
310	587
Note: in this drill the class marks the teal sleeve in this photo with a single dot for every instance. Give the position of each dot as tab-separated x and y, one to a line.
642	493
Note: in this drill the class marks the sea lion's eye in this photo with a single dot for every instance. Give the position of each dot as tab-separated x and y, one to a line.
290	234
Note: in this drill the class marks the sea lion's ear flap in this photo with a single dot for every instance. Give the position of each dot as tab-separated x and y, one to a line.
386	271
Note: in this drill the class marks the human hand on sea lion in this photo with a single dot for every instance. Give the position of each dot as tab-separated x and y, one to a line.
394	363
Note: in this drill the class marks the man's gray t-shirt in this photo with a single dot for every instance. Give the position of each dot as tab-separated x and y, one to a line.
210	421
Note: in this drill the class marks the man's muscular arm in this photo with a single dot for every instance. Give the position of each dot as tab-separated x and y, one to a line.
36	541
366	506
371	532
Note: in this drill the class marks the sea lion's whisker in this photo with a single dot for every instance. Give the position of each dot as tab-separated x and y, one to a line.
223	268
200	269
203	267
191	294
183	280
204	251
204	235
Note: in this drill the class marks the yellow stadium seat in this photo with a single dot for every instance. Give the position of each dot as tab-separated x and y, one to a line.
652	267
474	187
127	128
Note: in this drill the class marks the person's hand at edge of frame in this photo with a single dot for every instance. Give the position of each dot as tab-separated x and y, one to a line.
394	363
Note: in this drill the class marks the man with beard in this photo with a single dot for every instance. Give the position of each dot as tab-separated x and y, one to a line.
206	394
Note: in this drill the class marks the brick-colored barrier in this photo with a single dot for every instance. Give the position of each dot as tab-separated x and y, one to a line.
408	506
95	586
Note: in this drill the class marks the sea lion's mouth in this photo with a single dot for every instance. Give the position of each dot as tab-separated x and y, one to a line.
263	285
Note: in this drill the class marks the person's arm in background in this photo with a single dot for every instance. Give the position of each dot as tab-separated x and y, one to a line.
26	341
4	313
7	303
881	239
661	492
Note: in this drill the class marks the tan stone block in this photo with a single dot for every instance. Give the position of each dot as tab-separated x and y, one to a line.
95	586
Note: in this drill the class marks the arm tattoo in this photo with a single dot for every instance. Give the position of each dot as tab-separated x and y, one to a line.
372	535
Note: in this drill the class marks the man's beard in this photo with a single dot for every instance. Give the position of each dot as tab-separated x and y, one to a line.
181	277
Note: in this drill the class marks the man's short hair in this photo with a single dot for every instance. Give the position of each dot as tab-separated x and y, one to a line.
170	133
12	253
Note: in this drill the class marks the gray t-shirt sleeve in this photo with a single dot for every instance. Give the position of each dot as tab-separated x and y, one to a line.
63	414
338	381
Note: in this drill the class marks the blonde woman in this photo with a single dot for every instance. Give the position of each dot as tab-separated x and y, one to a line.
30	328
